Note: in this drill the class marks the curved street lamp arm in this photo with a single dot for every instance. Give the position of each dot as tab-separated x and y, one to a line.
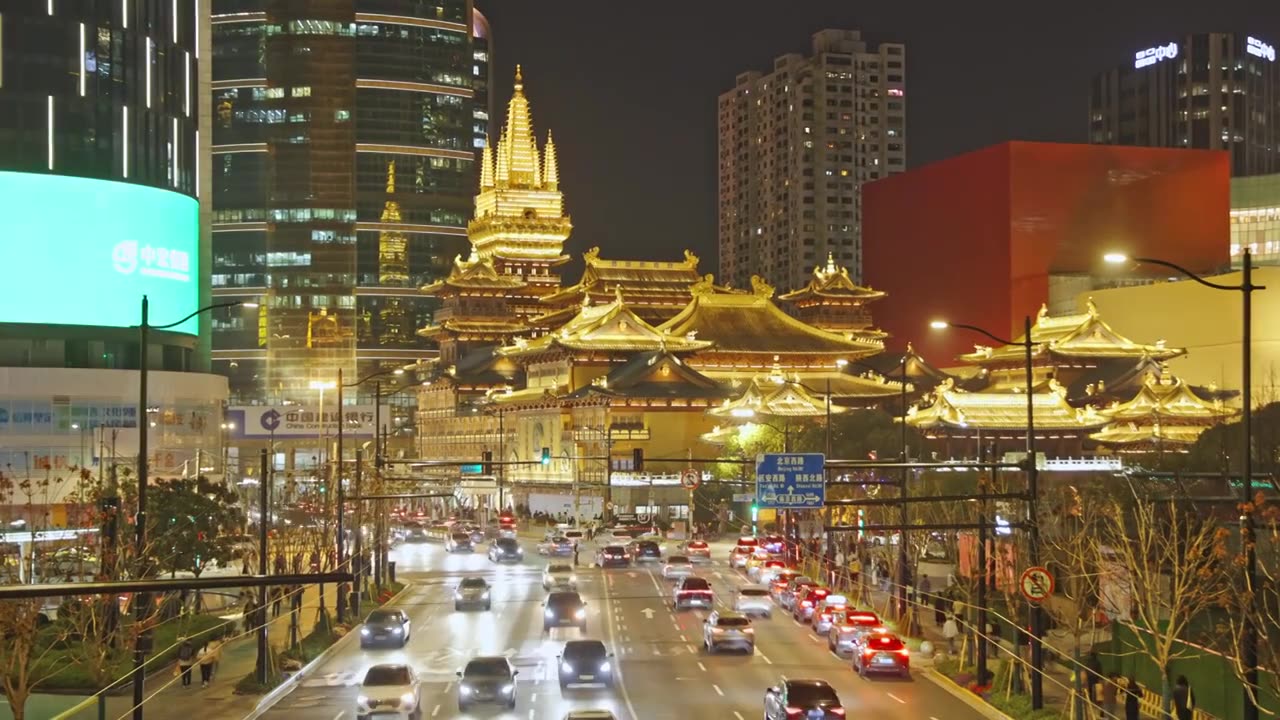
368	377
1188	273
201	310
980	331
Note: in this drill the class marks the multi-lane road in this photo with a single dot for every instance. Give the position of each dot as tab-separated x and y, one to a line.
663	671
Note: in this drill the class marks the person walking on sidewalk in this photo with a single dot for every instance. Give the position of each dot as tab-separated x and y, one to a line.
277	599
186	658
1132	699
208	660
1184	703
950	630
575	554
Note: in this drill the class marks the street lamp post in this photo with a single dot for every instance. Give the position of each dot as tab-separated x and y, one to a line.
140	533
1033	495
1246	288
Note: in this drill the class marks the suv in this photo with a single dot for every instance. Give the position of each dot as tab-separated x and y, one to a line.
693	591
612	556
585	661
471	592
803	604
753	599
677	566
809	699
505	550
558	575
487	679
563	608
384	625
825	612
779	584
388	690
696	550
843	636
728	629
739	556
799	585
881	651
645	551
458	542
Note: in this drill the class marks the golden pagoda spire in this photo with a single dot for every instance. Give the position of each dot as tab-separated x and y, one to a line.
520	148
502	169
551	172
486	165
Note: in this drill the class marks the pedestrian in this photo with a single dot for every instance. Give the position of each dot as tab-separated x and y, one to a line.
575	554
1109	689
1184	703
280	564
951	629
277	598
250	608
939	609
1132	697
1093	674
209	655
186	658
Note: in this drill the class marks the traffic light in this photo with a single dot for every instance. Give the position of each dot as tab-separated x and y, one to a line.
486	462
637	460
546	456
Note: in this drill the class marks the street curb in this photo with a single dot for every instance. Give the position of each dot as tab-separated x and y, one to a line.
981	706
283	689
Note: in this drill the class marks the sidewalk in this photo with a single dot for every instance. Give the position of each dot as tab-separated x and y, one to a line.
167	699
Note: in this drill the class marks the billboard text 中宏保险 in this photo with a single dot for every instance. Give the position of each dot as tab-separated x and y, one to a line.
79	251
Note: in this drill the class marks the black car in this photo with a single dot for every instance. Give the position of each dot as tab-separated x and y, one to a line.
385	626
646	551
802	700
586	661
613	556
564	609
487	680
505	550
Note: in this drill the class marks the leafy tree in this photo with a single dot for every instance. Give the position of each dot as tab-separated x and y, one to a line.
186	518
1221	448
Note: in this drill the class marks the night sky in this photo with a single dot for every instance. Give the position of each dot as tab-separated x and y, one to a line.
629	89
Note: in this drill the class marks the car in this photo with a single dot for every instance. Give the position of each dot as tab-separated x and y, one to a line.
472	591
763	571
590	714
458	542
555	531
802	700
754	561
585	662
843	636
728	629
739	556
620	535
779	584
559	576
564	607
477	534
416	535
881	651
798	585
385	625
693	591
507	531
773	544
556	547
389	690
505	550
575	536
802	608
677	566
644	551
747	541
696	550
613	556
488	679
826	610
753	600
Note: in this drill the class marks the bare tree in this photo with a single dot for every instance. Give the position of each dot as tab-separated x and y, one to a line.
1259	604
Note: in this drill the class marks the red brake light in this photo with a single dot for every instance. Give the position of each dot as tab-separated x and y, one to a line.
904	652
836	711
806	603
793	711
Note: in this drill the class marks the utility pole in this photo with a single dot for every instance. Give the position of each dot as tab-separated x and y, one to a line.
264	515
141	600
358	559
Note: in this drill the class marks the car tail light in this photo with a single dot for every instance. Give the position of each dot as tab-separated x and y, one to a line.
793	712
846	629
904	652
837	711
826	616
806	603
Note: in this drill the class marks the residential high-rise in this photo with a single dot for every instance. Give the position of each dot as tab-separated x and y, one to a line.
796	145
101	180
344	163
1209	91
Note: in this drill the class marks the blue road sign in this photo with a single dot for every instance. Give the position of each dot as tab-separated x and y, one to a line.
789	481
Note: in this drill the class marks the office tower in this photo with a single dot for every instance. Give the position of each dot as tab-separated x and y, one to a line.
796	145
344	163
99	174
1209	91
482	80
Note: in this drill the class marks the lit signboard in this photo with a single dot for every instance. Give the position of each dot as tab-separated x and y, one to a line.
77	251
1260	49
1156	54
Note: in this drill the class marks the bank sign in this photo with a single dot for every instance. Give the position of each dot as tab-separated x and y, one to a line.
1153	55
1257	48
284	422
77	251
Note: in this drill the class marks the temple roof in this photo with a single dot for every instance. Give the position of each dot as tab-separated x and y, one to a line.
921	374
494	328
654	374
640	280
609	327
1135	437
765	398
954	408
1083	335
1165	397
474	273
480	367
754	324
833	281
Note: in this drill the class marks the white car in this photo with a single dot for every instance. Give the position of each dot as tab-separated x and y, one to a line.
753	600
389	690
559	576
726	629
677	567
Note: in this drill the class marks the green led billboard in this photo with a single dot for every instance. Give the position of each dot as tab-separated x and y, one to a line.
77	251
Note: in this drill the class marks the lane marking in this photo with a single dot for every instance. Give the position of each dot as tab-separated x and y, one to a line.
702	667
765	658
339	715
435	711
717	689
533	697
895	697
613	633
691	650
739	715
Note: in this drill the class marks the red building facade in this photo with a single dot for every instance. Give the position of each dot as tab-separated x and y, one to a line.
975	238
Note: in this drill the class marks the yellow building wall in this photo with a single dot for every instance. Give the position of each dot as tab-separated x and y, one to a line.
1207	323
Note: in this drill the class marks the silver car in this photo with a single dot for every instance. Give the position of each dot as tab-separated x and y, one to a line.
726	629
677	567
753	600
559	576
471	592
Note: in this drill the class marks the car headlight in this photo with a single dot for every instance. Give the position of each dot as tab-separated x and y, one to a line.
484	595
457	595
605	666
465	689
580	614
362	699
508	689
398	630
407	699
566	667
550	613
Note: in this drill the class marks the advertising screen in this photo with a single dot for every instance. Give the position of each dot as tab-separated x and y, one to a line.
77	251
